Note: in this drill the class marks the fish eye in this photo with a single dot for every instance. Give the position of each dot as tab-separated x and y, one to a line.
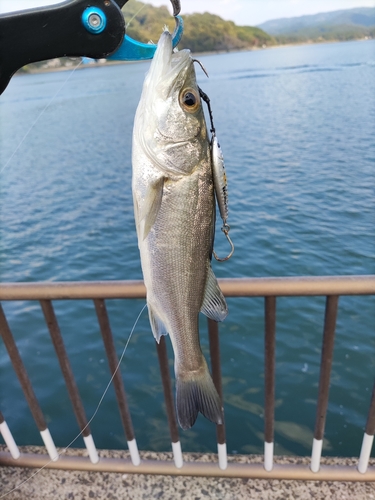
189	100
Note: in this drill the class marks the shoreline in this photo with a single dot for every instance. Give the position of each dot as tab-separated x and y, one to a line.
72	67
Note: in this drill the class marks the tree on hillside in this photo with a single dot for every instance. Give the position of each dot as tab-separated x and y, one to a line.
203	32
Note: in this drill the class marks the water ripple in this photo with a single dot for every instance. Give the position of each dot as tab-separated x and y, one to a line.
296	127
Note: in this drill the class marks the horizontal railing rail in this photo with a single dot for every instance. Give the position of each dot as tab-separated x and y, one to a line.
332	287
192	468
231	287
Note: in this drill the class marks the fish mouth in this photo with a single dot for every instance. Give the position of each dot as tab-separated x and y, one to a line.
159	108
165	51
167	65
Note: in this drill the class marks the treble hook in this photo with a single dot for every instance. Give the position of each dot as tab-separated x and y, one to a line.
225	229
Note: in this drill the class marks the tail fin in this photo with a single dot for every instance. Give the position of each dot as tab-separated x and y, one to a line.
195	394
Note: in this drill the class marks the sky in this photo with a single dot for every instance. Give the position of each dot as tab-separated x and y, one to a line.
242	12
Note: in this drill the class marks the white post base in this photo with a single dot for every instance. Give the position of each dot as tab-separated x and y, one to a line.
134	453
364	457
90	445
9	441
49	444
316	454
222	453
268	456
177	454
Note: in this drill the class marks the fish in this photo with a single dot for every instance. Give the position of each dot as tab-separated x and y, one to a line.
174	209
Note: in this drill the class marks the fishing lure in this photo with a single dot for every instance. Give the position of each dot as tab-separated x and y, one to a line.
219	177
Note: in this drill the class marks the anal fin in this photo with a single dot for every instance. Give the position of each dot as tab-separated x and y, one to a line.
214	304
157	326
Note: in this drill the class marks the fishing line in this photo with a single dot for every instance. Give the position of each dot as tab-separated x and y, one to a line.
94	414
135	15
38	117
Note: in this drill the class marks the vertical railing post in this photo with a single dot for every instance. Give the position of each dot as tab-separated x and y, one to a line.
161	349
105	329
213	333
368	437
62	356
8	438
269	379
27	388
324	380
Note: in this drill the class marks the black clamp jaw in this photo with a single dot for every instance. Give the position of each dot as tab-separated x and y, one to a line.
59	30
73	28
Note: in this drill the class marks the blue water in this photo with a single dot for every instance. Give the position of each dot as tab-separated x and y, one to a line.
297	127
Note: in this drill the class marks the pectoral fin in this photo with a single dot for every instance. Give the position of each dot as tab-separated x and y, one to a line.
157	326
150	207
214	304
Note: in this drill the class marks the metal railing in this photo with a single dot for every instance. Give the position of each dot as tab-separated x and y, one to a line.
270	289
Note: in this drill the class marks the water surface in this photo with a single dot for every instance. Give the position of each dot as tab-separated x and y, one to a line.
296	125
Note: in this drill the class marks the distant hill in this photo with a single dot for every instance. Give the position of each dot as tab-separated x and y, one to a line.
338	25
361	16
203	32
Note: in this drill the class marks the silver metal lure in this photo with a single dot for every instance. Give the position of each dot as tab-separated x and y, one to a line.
219	178
221	191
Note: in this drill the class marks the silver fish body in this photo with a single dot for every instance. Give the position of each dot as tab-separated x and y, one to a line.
174	210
